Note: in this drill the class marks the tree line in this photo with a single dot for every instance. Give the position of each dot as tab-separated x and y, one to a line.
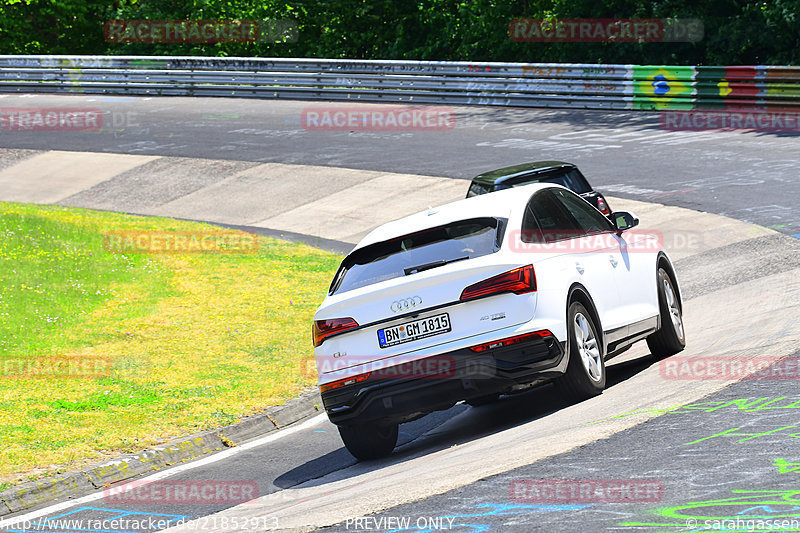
734	31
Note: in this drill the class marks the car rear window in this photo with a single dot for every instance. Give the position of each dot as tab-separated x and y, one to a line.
572	180
417	252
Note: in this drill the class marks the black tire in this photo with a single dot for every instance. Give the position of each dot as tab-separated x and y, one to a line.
579	383
369	441
483	400
670	337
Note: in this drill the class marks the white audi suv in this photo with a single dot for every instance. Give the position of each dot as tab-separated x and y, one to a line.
482	297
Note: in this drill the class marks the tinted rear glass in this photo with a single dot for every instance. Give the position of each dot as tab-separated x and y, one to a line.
572	180
586	215
417	252
545	220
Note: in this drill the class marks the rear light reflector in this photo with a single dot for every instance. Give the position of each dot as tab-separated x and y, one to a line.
323	329
519	281
343	382
510	340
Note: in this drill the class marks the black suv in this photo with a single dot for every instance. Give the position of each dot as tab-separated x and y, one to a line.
565	174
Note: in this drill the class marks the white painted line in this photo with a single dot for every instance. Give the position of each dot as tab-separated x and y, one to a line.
4	523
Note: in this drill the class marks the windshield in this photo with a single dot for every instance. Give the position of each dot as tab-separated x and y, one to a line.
417	252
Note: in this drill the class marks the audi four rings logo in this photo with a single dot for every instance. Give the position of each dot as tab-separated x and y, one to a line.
405	304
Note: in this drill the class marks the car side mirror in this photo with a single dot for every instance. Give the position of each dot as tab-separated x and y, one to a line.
624	220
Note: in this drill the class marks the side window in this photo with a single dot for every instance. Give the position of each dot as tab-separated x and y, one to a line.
531	232
546	220
589	219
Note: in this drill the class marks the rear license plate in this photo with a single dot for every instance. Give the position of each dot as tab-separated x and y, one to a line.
411	331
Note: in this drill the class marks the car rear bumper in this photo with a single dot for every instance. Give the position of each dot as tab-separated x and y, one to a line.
394	395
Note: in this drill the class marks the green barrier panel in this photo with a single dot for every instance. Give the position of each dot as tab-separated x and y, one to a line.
782	90
728	89
661	104
658	87
714	74
710	85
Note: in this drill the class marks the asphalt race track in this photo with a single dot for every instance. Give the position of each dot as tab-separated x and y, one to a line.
749	176
705	449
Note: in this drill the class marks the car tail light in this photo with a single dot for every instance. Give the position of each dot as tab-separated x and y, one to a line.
343	382
510	340
519	281
603	206
323	329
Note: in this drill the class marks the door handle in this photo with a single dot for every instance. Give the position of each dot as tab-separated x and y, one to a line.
579	268
612	261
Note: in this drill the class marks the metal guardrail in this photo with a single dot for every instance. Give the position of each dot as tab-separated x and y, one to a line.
588	86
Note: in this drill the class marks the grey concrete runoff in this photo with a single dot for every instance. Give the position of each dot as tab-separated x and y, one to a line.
333	205
177	451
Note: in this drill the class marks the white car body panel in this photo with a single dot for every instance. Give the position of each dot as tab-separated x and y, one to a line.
623	293
636	280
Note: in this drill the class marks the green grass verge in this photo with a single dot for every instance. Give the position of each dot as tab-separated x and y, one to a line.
184	342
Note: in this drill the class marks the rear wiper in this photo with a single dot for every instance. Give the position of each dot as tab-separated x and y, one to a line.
427	266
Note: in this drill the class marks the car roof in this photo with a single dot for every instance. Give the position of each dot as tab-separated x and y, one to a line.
526	169
499	204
